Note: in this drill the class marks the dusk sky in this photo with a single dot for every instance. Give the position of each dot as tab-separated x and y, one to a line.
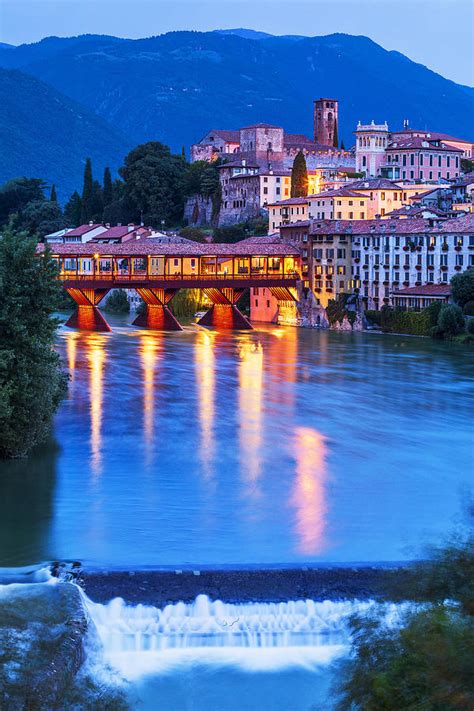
438	33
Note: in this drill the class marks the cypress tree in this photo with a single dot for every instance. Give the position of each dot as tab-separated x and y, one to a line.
343	148
183	152
108	193
97	202
53	197
87	192
335	142
299	176
73	210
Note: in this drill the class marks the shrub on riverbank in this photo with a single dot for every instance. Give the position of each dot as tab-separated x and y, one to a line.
31	381
426	661
414	323
117	303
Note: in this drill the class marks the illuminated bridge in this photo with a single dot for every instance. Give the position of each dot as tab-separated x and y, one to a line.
158	270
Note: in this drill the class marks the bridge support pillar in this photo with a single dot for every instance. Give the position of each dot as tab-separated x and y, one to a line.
87	316
157	314
224	313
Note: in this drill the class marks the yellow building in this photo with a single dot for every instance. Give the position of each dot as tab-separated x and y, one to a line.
330	266
284	212
342	204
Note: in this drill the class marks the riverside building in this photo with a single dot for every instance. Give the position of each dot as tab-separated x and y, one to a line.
381	257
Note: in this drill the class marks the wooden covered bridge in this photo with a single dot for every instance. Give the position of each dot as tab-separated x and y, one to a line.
158	270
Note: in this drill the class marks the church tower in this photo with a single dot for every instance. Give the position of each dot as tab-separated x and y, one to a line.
325	121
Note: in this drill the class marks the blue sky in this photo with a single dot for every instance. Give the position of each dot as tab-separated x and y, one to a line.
438	33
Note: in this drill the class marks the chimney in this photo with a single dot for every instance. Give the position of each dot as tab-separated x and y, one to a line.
90	223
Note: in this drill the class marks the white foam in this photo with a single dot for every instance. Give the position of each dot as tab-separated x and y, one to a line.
140	639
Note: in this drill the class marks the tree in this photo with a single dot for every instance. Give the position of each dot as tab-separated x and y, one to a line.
117	302
299	176
31	381
17	193
73	210
462	287
467	166
108	192
53	197
39	218
97	202
450	321
193	233
335	141
87	193
424	662
343	148
154	184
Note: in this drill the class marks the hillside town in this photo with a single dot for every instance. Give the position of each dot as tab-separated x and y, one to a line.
388	222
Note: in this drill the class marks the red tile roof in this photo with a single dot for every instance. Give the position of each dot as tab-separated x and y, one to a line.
373	184
340	192
83	229
150	246
418	225
425	290
289	201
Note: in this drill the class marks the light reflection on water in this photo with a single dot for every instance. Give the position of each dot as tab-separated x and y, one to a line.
273	446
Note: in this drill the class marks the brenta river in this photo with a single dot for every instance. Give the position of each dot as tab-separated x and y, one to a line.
278	446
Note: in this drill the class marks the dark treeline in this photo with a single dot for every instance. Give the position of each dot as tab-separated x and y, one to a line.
152	188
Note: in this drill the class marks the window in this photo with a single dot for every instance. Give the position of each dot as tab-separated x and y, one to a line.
318	253
351	202
341	254
265	191
361	203
268	303
412	174
421	175
339	215
412	159
382	211
439	161
421	158
362	215
329	254
351	216
382	196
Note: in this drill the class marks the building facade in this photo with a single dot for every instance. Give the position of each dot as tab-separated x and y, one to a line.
325	121
406	155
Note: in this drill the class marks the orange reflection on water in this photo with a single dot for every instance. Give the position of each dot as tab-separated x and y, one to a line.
205	379
308	496
250	410
149	346
95	352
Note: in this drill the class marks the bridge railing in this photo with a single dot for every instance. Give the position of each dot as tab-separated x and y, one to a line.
107	276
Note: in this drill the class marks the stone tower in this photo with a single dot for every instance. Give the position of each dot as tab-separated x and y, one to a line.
325	120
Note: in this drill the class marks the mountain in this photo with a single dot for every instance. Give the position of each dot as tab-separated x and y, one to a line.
4	45
246	34
176	86
43	134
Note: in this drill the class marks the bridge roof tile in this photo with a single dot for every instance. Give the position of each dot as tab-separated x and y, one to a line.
150	247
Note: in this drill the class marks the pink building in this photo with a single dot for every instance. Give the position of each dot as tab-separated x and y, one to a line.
406	155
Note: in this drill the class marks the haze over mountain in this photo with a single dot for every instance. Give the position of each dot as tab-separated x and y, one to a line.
176	86
43	134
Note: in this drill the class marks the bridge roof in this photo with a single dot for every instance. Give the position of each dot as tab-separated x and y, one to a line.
150	247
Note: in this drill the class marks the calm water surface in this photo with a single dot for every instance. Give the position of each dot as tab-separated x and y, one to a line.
275	446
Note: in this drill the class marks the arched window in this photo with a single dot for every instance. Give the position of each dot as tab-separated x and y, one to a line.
364	161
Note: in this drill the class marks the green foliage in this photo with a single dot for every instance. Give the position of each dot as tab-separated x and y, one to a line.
154	187
31	382
186	303
17	193
117	302
108	192
414	323
469	308
470	326
355	175
451	321
425	662
337	309
194	233
53	197
236	233
462	287
73	210
39	218
299	176
467	166
87	189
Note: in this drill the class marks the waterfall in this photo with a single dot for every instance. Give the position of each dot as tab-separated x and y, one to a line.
205	624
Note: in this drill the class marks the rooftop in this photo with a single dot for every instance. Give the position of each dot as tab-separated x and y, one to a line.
340	192
373	184
425	290
152	247
410	225
83	229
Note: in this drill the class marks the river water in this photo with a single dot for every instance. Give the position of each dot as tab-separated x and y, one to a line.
276	446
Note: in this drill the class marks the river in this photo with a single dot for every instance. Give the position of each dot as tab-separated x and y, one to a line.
278	446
